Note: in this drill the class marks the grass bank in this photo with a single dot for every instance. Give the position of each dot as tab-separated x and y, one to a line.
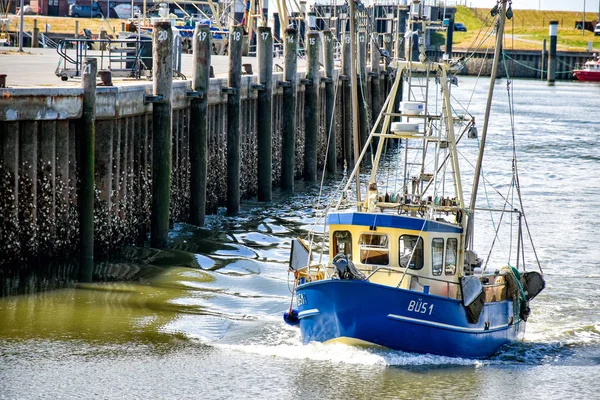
66	25
526	30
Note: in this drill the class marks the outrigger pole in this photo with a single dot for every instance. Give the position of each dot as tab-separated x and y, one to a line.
488	107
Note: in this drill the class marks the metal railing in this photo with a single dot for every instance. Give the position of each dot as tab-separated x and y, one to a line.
124	57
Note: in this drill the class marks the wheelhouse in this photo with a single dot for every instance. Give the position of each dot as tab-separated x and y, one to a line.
400	251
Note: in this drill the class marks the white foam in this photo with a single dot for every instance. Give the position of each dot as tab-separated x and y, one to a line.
344	354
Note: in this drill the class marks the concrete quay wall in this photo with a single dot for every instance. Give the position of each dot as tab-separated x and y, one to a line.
39	156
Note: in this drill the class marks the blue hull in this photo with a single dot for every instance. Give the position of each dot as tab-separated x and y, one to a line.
402	320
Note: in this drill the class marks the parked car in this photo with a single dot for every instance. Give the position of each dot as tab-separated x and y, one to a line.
85	11
597	30
460	27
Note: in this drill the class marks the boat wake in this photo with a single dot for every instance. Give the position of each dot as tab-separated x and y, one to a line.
345	354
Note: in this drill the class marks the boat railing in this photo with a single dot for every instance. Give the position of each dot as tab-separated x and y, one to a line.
411	275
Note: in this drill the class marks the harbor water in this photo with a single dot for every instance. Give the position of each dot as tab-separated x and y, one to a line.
206	321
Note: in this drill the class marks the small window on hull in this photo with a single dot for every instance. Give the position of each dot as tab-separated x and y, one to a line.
451	251
437	256
374	249
410	251
342	243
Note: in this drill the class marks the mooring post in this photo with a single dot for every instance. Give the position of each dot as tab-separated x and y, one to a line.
400	31
543	60
387	45
553	31
86	170
162	128
449	37
265	113
289	108
329	101
375	76
199	123
36	34
362	88
311	106
348	119
236	38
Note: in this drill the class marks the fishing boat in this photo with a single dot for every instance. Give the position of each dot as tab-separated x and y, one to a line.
402	271
590	72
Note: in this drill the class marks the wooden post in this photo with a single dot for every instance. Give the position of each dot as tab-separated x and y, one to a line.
400	30
104	36
329	101
553	30
76	29
347	89
236	39
289	106
265	113
449	34
543	60
86	170
311	106
162	128
36	34
387	45
362	88
375	81
199	123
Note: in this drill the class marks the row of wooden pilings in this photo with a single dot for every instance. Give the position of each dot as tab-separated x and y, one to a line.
327	89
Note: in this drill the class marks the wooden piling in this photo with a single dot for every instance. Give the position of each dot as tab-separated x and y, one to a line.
543	60
265	113
236	38
47	185
387	45
347	110
202	45
28	186
311	106
400	30
363	112
9	211
36	34
86	170
329	101
375	77
162	117
289	106
449	36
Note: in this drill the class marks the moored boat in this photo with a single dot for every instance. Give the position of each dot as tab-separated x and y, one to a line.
590	72
403	272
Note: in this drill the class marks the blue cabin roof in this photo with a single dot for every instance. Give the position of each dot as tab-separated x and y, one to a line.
390	221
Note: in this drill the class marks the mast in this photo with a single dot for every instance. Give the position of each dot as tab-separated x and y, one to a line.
353	84
497	53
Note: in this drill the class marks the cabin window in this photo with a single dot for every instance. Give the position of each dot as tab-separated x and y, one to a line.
410	251
374	249
342	243
437	256
451	248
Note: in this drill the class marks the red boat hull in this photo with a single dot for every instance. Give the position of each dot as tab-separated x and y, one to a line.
588	76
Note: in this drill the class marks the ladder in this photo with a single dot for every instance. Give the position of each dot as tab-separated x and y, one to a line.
414	152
